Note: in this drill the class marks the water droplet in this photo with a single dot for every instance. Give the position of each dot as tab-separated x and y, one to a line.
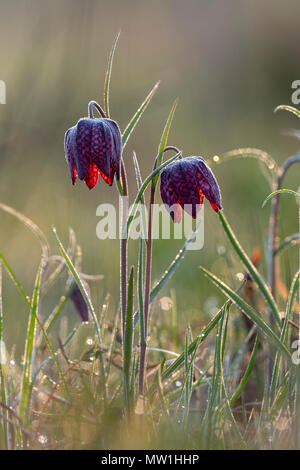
43	439
240	276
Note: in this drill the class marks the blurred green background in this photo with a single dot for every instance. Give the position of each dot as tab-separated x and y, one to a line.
230	63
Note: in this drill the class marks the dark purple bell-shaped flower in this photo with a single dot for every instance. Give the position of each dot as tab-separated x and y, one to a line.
184	183
94	146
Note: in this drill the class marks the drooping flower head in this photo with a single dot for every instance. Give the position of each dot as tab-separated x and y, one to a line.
184	183
94	146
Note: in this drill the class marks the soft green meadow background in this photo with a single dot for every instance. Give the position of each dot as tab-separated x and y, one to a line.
230	63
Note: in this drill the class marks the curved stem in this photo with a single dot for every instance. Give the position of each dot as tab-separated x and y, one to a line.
94	104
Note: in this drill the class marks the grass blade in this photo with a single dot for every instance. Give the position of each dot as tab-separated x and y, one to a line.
108	76
283	191
288	242
28	302
239	390
194	345
135	119
250	267
290	109
249	311
164	138
89	304
284	332
258	154
28	353
174	265
128	343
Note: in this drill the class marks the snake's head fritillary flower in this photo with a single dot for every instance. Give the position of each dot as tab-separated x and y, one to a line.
184	183
94	146
78	299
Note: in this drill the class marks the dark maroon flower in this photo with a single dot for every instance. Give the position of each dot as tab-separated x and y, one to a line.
78	300
184	183
94	146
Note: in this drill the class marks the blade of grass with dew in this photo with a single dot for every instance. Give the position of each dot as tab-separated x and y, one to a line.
239	390
89	304
209	420
58	309
112	342
160	392
186	389
288	242
28	302
170	270
174	264
258	154
164	138
143	188
249	311
127	362
50	358
284	333
59	269
290	109
140	292
108	76
250	267
281	191
136	117
28	353
195	343
231	417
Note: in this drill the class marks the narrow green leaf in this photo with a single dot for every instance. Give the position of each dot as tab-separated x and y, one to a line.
250	267
88	302
290	109
249	311
164	138
284	332
174	265
195	343
28	302
239	390
140	291
258	154
108	76
288	242
31	328
279	191
128	341
135	119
